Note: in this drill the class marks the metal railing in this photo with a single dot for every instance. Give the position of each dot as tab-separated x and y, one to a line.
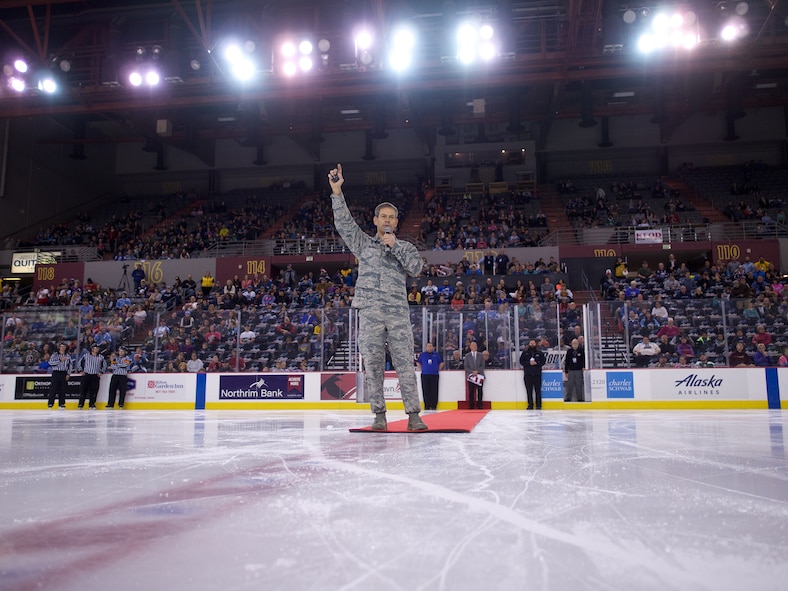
312	339
619	326
326	338
670	234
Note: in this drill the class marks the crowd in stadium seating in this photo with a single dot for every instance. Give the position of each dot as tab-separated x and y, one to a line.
283	321
623	203
183	236
311	228
209	320
205	227
673	316
458	222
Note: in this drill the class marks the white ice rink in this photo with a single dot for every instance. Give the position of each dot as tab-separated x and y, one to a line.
224	500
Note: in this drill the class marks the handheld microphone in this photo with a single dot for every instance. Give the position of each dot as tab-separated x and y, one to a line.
387	230
334	178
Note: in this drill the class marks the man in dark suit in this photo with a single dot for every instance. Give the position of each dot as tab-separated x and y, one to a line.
474	369
532	361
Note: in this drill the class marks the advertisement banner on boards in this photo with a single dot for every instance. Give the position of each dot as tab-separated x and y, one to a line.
164	387
338	386
552	384
620	384
261	387
699	384
37	387
391	387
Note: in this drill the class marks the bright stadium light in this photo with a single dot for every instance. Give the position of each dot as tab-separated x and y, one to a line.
289	68
152	78
729	33
47	85
243	70
403	42
296	56
240	59
476	42
660	23
487	51
233	53
288	49
675	30
364	39
646	43
17	84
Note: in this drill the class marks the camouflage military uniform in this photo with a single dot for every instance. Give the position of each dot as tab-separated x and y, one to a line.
380	298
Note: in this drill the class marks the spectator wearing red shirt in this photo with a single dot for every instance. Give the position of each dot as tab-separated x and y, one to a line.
761	336
286	327
171	347
236	362
213	336
670	329
215	365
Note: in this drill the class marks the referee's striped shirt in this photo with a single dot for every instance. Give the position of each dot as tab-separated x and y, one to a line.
93	364
60	362
120	367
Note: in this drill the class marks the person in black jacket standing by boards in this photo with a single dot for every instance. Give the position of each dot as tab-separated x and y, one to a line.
532	360
574	364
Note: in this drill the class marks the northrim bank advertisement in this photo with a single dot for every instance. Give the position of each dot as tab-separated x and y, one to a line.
261	387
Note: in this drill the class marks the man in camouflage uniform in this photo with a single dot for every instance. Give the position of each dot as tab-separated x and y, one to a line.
384	262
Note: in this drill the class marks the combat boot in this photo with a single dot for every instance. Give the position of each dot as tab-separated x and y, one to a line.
415	423
379	424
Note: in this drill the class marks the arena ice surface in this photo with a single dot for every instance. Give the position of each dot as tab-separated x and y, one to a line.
228	500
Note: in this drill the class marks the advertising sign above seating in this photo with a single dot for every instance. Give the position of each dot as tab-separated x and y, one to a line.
25	262
649	236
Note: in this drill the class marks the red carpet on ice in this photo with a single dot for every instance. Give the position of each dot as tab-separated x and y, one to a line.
452	421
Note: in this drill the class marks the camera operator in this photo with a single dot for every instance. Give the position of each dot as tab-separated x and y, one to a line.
137	275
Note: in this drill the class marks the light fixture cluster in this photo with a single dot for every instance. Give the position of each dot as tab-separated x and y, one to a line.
240	59
473	40
402	48
476	42
146	68
297	56
674	30
662	27
733	26
20	77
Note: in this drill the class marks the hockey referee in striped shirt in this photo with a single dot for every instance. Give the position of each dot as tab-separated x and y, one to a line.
62	365
92	366
119	366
